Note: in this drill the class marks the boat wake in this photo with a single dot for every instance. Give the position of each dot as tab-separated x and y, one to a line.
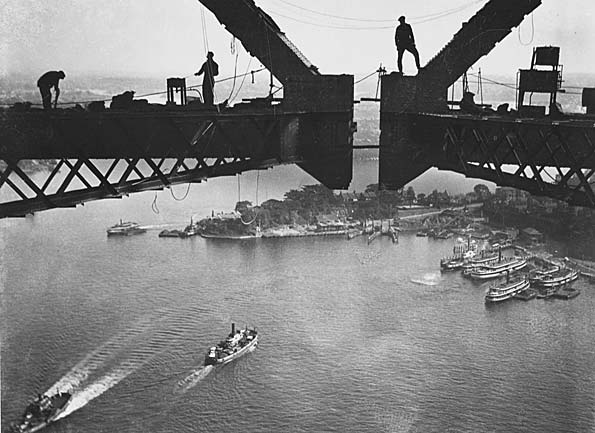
113	361
429	279
193	379
95	389
95	360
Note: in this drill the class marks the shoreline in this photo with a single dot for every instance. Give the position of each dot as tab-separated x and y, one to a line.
276	234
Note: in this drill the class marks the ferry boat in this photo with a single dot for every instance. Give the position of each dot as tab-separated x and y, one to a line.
237	343
452	263
40	412
483	260
125	228
502	292
538	275
557	279
498	269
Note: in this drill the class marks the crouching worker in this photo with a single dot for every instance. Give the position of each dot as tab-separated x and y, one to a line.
45	83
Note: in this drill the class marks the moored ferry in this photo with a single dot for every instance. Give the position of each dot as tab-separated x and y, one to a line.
125	228
452	263
41	412
504	291
540	274
482	260
237	343
556	279
498	269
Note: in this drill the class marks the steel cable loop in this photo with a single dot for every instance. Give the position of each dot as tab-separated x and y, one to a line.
171	190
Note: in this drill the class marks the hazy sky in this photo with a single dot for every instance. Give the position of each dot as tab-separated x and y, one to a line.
165	37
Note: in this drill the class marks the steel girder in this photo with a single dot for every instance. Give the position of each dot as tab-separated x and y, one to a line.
217	147
545	157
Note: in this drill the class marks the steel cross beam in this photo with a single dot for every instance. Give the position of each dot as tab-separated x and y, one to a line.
220	146
157	149
544	157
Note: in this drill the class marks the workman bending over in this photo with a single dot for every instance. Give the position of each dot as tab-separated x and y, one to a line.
45	83
210	69
405	41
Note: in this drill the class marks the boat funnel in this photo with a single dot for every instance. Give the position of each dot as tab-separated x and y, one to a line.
499	254
233	328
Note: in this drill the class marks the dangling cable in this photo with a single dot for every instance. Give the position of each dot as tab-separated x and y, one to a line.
532	33
154	207
244	79
171	190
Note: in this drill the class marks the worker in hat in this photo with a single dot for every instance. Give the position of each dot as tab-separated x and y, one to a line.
209	70
405	41
45	83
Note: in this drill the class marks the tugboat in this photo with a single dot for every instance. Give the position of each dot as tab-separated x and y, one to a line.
237	343
125	228
40	412
190	230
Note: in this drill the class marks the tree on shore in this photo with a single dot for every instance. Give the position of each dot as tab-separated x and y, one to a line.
410	195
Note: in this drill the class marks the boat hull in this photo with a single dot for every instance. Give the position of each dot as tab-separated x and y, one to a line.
241	352
478	274
498	295
61	400
237	344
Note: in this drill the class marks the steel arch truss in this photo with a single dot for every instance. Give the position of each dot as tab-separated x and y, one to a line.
214	150
547	158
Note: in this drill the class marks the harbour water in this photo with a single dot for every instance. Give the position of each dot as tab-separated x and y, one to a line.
353	337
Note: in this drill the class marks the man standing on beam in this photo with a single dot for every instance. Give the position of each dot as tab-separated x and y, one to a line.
405	41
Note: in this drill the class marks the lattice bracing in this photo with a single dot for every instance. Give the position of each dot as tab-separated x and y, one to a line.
544	157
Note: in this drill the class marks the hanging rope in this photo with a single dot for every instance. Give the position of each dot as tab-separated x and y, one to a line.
271	61
171	190
154	207
235	70
244	79
532	33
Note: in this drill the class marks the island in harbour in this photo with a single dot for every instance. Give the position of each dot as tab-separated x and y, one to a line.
315	210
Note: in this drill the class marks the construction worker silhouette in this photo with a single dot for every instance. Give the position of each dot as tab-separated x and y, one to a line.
45	83
405	41
210	70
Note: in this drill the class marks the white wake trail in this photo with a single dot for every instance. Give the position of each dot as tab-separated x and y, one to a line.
429	279
95	389
193	379
96	359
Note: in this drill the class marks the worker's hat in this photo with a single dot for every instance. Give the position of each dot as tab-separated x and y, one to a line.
402	18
